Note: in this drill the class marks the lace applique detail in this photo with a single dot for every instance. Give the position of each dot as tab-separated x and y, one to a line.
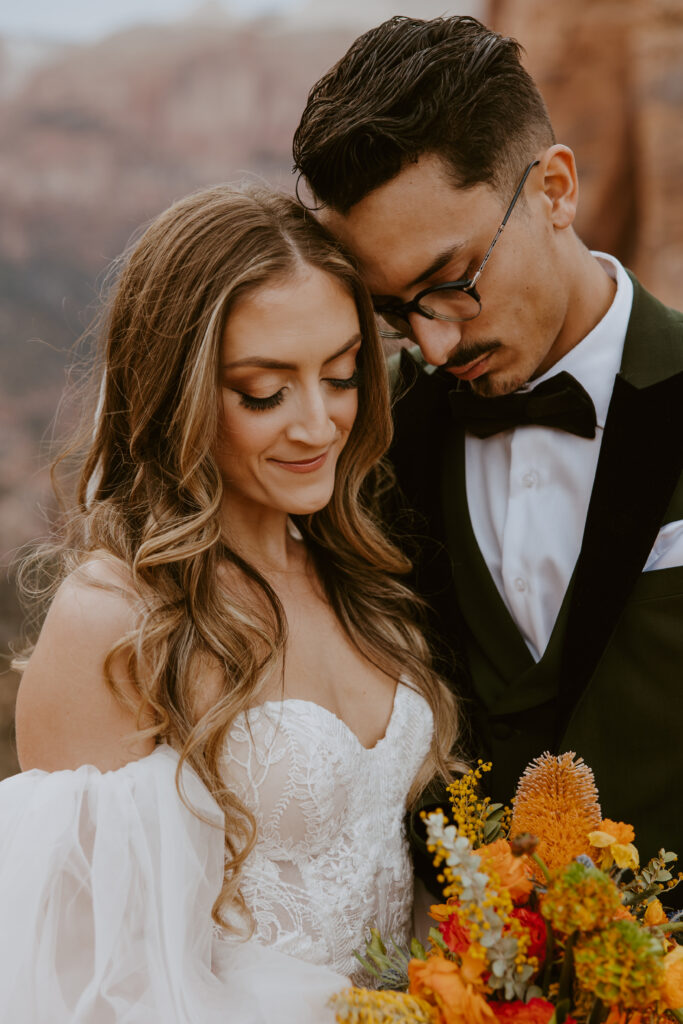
331	857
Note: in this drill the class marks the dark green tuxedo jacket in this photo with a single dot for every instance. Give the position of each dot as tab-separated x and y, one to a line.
610	684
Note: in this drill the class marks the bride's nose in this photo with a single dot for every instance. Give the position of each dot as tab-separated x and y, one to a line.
312	423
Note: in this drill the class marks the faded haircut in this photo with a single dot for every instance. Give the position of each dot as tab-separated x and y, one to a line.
449	86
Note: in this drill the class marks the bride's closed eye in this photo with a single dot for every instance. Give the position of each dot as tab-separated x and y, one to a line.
248	401
270	402
345	382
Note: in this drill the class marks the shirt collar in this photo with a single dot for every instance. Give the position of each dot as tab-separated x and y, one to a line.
596	359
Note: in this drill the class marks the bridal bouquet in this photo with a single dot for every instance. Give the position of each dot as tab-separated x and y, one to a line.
548	917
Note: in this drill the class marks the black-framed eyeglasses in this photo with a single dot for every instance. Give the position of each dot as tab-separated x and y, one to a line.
456	301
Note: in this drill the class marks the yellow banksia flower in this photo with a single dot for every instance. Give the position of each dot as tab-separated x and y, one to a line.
366	1006
622	964
557	801
580	898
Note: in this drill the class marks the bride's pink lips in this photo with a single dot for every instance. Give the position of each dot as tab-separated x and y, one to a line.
302	465
471	370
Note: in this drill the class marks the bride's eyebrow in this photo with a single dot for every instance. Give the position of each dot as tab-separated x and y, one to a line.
265	363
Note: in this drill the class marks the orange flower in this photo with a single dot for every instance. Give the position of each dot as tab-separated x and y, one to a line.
442	911
473	964
440	983
672	988
514	873
655	913
619	830
612	843
557	801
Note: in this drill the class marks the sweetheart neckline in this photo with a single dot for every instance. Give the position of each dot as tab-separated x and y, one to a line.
401	686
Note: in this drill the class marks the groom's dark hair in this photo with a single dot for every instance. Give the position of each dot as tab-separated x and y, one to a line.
449	86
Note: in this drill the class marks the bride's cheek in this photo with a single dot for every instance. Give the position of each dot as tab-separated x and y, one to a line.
347	411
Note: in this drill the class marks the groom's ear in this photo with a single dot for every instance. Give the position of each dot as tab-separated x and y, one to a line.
559	185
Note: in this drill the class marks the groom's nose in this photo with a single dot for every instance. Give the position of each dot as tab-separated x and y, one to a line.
437	338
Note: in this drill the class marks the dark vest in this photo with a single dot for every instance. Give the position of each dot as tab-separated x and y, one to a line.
610	683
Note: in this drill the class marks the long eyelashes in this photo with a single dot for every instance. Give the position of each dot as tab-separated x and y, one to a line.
272	401
345	383
249	402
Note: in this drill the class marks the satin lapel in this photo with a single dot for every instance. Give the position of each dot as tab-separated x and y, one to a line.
428	458
420	420
482	607
641	460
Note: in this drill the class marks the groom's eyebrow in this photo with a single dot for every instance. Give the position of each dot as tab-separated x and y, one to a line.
437	264
266	363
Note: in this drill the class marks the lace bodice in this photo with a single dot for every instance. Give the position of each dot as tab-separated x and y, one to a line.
331	857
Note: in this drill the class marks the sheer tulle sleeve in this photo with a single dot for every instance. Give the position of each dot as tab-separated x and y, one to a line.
106	886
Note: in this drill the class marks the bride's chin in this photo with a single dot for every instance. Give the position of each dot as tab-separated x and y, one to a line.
307	508
304	505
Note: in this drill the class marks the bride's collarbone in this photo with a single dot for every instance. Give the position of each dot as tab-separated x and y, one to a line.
322	665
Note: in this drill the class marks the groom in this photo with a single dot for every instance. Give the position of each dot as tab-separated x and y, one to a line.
539	432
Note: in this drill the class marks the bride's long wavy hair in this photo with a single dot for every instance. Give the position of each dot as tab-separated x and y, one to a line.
148	492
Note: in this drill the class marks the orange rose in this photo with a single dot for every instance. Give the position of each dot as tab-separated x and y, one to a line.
513	872
440	983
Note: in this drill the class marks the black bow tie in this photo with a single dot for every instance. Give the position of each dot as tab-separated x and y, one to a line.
559	402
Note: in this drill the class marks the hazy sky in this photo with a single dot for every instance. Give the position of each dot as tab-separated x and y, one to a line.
87	19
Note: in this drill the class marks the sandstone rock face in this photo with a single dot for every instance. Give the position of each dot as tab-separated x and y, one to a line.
611	72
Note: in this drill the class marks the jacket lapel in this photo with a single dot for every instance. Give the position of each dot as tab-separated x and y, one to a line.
420	420
641	460
482	607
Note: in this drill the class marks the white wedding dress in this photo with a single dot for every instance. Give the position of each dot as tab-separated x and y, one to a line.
107	880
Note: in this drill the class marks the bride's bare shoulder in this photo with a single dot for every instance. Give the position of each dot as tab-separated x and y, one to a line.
67	714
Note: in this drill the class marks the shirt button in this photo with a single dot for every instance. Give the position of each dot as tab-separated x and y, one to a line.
520	584
530	479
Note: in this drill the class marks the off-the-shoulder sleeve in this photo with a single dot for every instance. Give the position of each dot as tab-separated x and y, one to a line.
107	881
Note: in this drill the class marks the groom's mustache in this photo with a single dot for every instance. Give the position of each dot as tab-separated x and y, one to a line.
467	353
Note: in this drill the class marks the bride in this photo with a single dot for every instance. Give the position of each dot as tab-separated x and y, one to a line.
229	708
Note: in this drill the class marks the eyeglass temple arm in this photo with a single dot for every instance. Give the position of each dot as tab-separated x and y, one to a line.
504	221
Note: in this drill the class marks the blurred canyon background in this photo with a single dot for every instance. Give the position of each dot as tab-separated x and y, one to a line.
100	133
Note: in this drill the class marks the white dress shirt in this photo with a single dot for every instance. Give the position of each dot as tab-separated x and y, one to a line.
528	489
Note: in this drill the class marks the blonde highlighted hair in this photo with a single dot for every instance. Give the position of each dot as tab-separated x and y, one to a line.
148	492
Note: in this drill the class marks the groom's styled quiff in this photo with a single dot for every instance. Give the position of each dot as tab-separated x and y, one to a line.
449	86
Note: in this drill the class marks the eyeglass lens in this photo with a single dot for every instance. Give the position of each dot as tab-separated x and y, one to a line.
445	304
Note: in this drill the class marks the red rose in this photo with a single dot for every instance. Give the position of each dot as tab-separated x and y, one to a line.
535	927
455	935
536	1011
